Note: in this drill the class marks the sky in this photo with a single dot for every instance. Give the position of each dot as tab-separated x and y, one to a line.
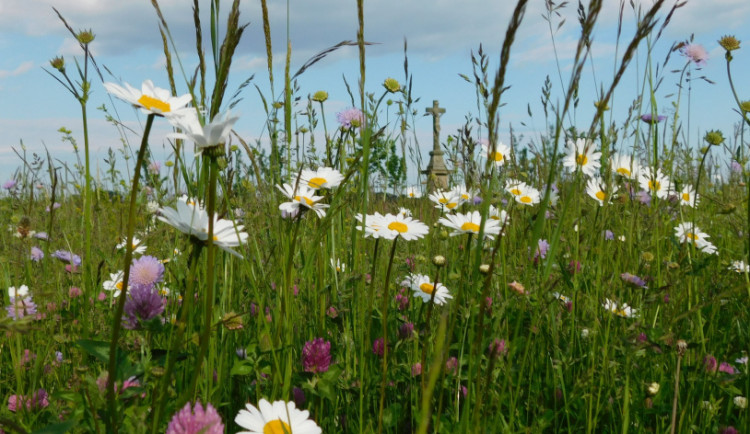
441	35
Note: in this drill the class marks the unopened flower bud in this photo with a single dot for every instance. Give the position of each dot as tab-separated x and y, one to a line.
484	268
438	260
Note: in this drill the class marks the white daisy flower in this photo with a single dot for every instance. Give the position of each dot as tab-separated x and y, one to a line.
522	192
404	212
413	192
423	288
373	224
445	200
114	283
277	418
323	177
338	266
655	183
138	246
20	292
465	194
398	225
739	267
625	165
469	224
581	155
150	99
212	134
499	156
303	196
500	215
687	232
623	310
596	189
192	220
688	196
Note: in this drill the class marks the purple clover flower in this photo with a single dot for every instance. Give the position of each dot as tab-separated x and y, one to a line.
378	347
316	356
709	363
196	420
298	395
609	235
498	347
143	303
9	184
406	330
727	368
35	402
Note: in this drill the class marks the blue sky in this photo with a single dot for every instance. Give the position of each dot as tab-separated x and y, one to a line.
440	35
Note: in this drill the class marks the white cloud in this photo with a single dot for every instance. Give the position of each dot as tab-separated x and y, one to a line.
19	70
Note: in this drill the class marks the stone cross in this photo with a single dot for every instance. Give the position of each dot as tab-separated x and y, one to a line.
437	173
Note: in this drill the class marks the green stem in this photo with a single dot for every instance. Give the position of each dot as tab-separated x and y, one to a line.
384	315
177	339
112	424
210	280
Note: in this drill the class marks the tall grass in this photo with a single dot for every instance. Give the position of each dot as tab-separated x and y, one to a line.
587	312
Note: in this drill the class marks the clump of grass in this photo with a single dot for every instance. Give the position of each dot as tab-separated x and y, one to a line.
563	287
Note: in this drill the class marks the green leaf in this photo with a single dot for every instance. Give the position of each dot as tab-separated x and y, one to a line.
98	349
57	428
241	368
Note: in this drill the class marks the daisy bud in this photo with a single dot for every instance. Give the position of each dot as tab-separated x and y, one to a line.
653	388
438	260
484	268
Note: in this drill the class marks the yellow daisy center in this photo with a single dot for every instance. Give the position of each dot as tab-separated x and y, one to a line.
497	156
686	197
526	199
443	200
623	171
151	103
317	182
427	287
411	194
307	200
398	227
515	191
600	195
654	185
277	427
692	236
582	159
451	205
469	226
118	285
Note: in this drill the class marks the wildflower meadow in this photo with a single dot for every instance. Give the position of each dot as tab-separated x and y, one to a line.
333	275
